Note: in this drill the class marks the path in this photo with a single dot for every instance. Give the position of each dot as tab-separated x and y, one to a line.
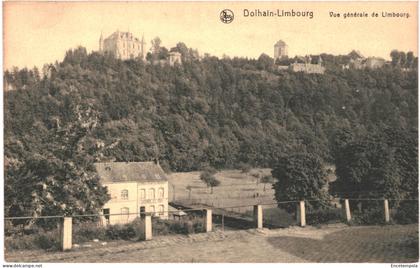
339	243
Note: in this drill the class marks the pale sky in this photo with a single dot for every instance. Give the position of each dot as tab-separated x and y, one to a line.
39	33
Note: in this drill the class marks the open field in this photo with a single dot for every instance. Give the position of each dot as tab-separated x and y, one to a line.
334	243
235	189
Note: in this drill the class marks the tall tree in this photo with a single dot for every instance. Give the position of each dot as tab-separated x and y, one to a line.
300	176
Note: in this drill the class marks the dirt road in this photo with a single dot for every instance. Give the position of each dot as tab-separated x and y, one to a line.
338	243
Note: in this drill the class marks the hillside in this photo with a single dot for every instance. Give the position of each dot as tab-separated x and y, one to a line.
210	112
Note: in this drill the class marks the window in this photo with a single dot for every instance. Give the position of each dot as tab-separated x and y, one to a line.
161	193
151	193
142	194
124	214
124	194
152	210
142	212
161	209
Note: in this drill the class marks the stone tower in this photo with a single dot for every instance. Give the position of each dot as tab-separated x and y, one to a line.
280	50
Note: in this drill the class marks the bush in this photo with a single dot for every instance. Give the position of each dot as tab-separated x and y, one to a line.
48	240
84	232
88	231
138	227
369	216
19	242
407	212
323	216
118	231
183	226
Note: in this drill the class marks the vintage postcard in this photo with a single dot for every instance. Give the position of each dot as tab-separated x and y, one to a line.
210	132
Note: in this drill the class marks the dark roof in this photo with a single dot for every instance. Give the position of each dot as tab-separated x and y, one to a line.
130	172
280	43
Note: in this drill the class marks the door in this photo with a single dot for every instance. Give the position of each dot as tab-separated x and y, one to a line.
106	215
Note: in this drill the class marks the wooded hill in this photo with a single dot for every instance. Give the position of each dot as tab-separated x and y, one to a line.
209	112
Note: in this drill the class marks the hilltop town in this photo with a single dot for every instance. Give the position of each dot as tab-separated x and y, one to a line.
124	45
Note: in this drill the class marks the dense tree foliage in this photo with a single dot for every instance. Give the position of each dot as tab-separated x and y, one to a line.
300	176
209	112
378	166
56	177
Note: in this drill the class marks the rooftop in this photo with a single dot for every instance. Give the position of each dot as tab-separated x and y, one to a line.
130	172
280	43
126	35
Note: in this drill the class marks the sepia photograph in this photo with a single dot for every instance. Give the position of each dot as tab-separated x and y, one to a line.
210	132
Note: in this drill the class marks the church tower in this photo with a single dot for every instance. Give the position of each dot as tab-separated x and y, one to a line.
280	50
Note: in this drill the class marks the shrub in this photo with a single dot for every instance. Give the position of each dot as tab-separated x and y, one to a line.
118	231
83	232
407	212
48	240
10	229
322	216
138	227
19	242
369	216
88	231
183	226
198	226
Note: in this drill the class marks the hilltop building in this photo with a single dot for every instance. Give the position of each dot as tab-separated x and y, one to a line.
374	62
358	61
280	50
135	188
174	58
306	65
123	45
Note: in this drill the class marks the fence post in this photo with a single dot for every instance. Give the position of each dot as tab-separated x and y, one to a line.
347	210
300	214
208	220
386	210
148	227
258	216
66	233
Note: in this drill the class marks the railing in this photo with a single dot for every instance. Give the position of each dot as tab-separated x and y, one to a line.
72	228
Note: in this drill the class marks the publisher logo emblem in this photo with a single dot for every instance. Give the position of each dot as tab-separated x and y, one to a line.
226	16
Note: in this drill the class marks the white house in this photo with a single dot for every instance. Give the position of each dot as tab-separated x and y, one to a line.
135	188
